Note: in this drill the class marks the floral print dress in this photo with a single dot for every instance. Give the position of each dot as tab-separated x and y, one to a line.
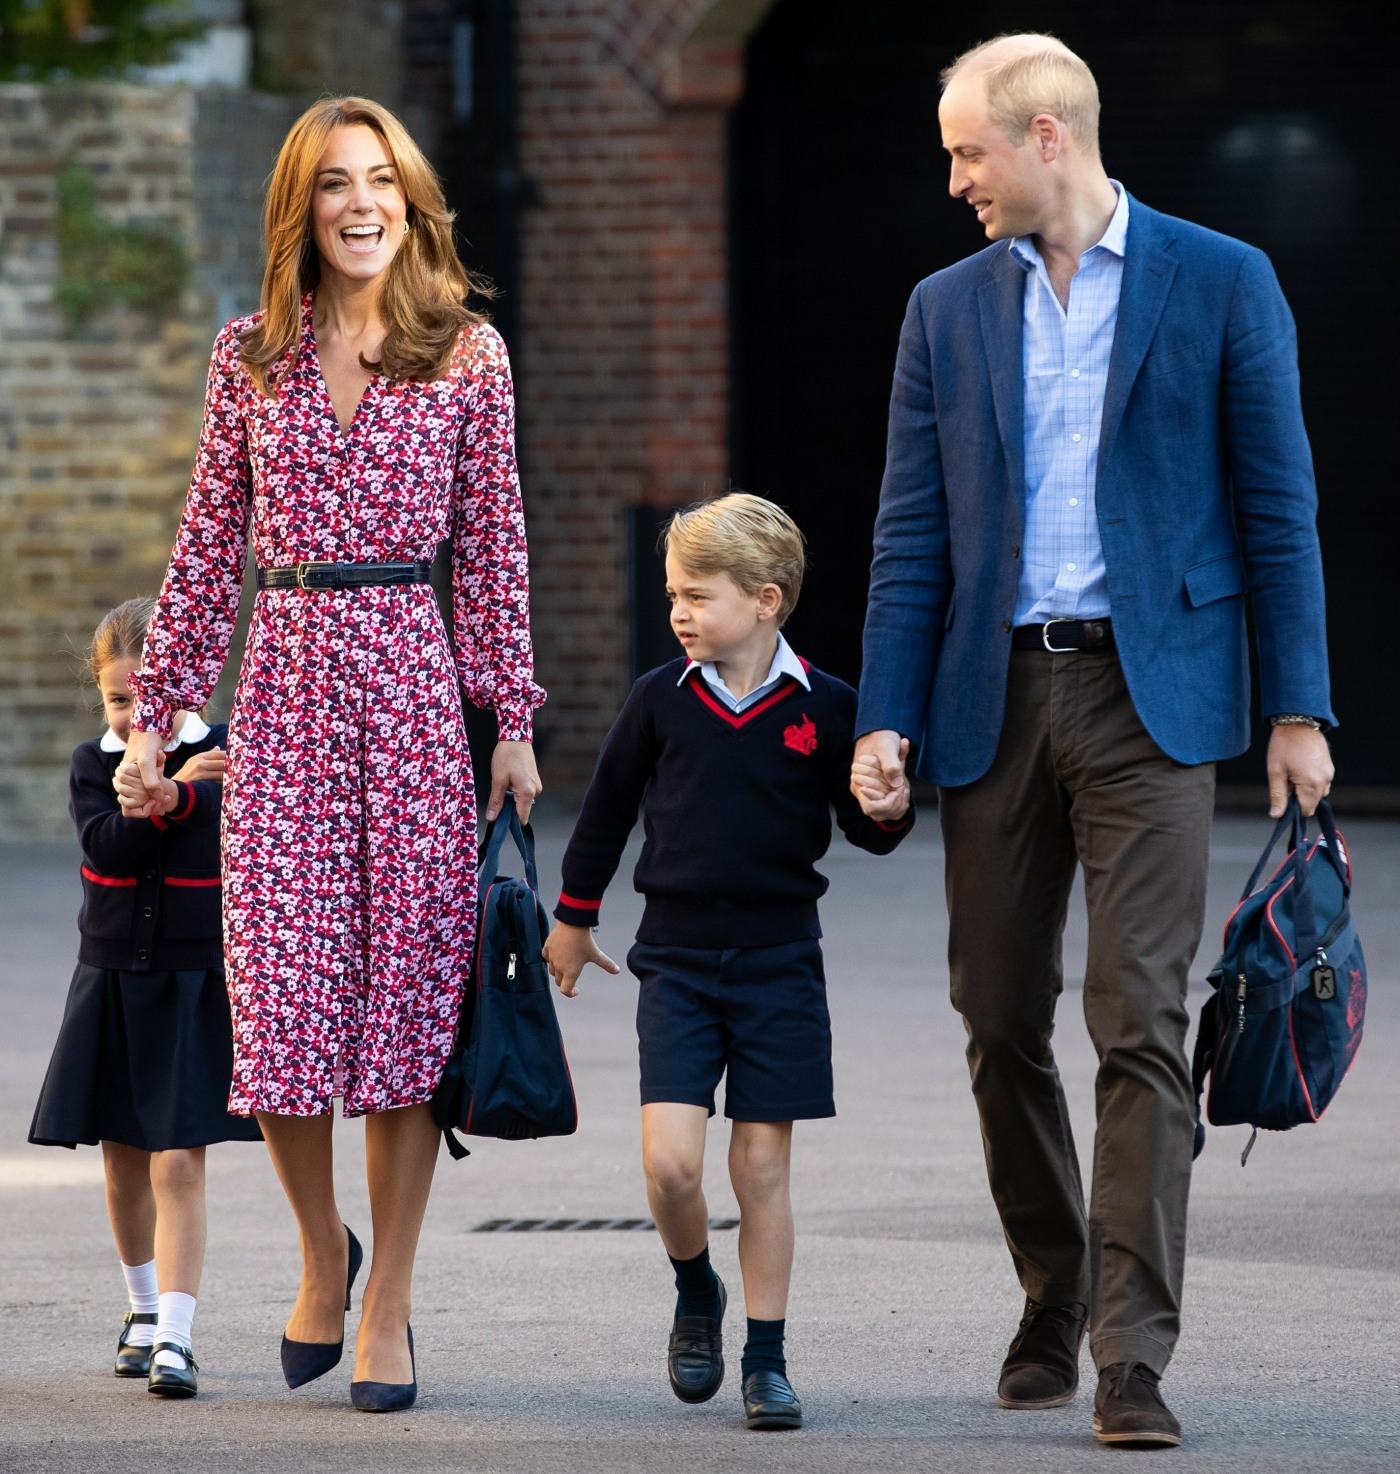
349	820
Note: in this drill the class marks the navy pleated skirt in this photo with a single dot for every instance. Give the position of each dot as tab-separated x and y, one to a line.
143	1059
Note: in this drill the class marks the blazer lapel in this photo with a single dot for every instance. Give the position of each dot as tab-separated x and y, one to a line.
1000	302
1147	280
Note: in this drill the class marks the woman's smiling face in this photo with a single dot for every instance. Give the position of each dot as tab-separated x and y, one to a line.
358	210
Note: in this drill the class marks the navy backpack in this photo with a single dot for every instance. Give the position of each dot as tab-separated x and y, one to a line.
508	1075
1283	1022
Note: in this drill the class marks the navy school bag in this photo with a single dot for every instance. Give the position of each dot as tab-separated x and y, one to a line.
1283	1022
508	1075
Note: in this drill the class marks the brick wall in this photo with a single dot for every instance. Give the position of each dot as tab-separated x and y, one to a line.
623	364
96	431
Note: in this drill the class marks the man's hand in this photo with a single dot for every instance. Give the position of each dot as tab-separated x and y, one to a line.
568	950
877	775
513	767
870	784
1299	762
208	765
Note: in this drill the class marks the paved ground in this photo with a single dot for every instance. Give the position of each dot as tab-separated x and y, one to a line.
543	1352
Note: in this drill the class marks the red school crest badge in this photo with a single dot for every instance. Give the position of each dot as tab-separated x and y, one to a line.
801	737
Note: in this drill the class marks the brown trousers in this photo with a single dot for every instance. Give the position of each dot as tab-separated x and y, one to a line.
1077	779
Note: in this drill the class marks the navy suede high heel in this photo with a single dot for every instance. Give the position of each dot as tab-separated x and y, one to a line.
304	1361
387	1397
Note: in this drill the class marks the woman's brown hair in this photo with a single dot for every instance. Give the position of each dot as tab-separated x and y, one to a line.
425	285
119	636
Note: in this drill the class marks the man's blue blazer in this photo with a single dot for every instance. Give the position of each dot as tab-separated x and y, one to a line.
1205	494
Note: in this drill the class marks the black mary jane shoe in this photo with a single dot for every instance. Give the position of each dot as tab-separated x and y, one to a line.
387	1397
304	1361
770	1402
695	1356
134	1361
173	1381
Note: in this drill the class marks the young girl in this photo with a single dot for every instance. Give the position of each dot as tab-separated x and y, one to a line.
144	1053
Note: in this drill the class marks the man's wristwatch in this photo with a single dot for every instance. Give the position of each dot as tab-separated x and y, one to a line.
1295	719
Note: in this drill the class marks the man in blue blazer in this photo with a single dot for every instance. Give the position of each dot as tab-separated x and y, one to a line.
1096	457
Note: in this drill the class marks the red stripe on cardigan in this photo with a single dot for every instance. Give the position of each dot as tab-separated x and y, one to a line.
97	879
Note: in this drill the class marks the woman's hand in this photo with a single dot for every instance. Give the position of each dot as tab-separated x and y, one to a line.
513	767
142	768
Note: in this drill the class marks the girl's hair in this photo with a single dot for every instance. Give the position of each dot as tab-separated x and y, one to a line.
425	286
121	633
750	539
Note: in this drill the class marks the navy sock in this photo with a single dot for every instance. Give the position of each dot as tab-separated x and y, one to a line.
698	1285
763	1351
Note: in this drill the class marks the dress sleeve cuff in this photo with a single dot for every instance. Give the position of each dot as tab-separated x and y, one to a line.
576	911
515	722
151	713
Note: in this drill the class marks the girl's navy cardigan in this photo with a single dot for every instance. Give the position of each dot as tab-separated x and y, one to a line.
738	810
151	890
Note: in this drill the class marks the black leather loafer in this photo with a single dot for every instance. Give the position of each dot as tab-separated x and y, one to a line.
695	1357
304	1361
173	1381
1129	1411
387	1397
770	1402
1042	1365
134	1361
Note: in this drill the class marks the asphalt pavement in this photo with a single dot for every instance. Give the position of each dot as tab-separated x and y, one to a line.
542	1351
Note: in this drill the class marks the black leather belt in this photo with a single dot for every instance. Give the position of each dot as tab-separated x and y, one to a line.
1061	635
342	575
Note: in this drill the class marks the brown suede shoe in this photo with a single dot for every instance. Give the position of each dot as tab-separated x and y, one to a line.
1042	1365
1128	1408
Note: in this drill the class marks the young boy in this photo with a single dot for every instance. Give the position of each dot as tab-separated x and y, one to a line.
740	750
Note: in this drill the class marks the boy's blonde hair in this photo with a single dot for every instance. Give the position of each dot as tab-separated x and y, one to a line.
751	540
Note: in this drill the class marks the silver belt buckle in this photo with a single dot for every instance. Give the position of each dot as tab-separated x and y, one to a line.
301	573
1056	649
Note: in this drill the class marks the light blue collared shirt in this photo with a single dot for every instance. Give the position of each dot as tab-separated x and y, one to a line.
785	664
1064	357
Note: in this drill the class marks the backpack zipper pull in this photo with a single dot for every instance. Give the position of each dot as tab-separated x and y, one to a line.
510	969
1239	993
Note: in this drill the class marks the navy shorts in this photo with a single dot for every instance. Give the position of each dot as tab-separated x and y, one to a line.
758	1012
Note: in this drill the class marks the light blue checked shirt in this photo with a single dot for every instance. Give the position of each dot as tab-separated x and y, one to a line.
1064	356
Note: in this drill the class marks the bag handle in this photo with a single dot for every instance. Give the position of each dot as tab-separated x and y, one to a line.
507	822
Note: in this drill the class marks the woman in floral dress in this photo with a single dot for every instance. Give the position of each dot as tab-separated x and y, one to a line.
363	416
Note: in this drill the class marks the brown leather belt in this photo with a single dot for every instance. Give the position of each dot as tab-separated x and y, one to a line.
343	575
1061	636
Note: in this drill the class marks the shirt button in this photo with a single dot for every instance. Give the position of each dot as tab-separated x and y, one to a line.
1074	373
1074	501
1076	438
1071	566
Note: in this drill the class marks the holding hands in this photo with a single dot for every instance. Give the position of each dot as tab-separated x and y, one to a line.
878	779
568	950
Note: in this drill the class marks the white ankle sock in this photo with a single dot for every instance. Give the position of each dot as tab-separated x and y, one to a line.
141	1291
176	1324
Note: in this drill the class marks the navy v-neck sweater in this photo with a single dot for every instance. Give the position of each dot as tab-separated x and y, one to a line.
738	810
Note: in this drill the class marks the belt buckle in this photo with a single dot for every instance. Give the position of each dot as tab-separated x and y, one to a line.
301	573
1057	649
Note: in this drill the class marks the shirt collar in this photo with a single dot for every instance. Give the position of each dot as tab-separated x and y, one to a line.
192	729
785	663
1114	239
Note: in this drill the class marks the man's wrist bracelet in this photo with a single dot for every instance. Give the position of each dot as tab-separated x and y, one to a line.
1295	719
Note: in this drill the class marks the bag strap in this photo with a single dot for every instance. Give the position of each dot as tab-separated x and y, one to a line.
1328	825
1292	818
1304	911
507	822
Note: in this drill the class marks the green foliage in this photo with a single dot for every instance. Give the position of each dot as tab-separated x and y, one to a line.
102	265
54	40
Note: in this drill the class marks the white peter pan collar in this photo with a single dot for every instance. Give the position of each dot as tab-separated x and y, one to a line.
193	729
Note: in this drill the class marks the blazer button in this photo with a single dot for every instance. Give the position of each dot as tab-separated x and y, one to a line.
1006	626
1015	550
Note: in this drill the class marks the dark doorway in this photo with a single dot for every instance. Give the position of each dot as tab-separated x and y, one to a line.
1252	117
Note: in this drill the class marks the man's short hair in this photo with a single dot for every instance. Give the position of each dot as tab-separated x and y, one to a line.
752	540
1037	74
